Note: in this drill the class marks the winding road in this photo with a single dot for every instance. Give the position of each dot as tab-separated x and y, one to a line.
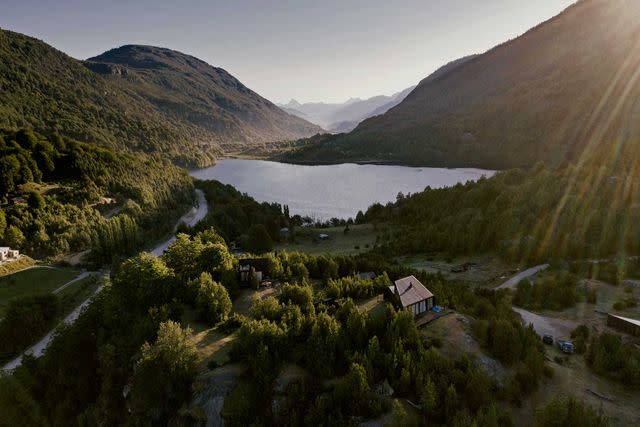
191	218
195	215
541	324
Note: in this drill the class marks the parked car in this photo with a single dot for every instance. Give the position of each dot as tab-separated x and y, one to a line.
565	346
547	339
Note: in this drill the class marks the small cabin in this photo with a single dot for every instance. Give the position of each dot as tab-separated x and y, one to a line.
257	266
409	294
624	324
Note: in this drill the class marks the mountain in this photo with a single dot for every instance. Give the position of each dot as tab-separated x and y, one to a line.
189	90
343	117
548	95
138	106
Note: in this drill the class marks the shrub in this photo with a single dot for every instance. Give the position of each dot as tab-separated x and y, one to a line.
212	300
569	412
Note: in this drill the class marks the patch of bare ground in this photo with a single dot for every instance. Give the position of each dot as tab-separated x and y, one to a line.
242	304
573	377
454	334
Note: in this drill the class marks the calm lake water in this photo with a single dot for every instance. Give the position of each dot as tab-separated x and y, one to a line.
324	192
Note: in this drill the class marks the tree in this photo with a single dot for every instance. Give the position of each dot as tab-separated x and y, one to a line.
213	300
569	412
13	237
354	388
162	378
3	223
450	402
183	256
258	240
428	398
36	201
9	174
143	281
401	418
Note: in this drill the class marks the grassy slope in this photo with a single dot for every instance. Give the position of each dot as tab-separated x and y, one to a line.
339	243
34	281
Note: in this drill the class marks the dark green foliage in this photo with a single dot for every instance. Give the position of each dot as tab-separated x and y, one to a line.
533	216
81	377
569	411
212	300
36	201
189	256
555	291
609	357
65	218
356	288
258	240
17	405
240	219
162	377
580	337
27	319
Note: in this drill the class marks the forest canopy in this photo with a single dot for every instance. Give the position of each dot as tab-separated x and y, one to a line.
59	195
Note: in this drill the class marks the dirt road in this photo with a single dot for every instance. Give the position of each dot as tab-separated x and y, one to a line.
191	218
547	325
511	283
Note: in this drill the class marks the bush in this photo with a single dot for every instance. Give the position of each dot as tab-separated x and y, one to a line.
609	357
580	337
162	378
212	300
569	412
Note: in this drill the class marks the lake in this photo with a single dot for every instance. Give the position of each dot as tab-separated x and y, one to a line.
328	191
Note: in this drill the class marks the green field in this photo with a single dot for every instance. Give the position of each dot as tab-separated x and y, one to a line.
485	269
74	295
35	281
360	238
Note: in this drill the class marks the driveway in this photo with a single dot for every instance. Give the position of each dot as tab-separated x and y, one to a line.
511	283
559	328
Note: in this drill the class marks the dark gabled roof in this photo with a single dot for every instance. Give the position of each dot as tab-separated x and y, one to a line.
626	319
367	275
411	291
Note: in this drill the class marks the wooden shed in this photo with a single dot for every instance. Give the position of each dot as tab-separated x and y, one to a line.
624	324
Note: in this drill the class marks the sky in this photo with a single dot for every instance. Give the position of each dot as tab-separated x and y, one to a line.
327	50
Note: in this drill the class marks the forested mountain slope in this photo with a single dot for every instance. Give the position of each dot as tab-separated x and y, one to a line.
191	91
53	192
547	95
44	89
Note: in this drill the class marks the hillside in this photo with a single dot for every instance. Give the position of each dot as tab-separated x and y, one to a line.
44	89
544	96
191	91
343	117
